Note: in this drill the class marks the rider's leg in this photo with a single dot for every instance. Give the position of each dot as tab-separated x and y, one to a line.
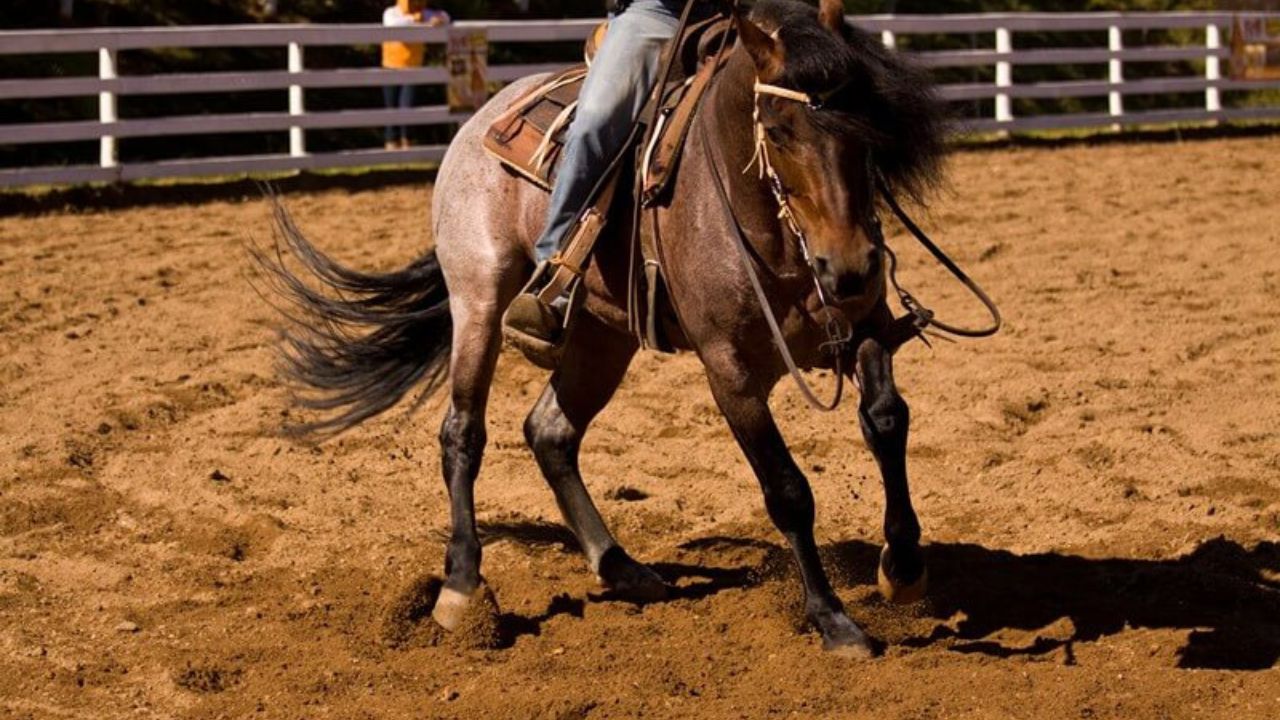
622	74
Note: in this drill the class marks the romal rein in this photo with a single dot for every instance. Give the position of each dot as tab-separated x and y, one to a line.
919	318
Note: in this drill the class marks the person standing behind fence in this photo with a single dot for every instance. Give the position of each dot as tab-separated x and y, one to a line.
402	56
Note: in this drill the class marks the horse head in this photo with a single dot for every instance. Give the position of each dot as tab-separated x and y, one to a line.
836	112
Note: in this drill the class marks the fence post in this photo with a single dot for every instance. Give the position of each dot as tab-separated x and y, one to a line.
107	107
889	39
1115	75
1004	75
297	104
1212	67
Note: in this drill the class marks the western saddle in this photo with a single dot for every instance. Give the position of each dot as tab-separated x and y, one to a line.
528	139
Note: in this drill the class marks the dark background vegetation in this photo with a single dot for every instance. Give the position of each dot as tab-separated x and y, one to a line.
98	13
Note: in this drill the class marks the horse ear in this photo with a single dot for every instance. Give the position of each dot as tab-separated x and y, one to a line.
831	13
765	51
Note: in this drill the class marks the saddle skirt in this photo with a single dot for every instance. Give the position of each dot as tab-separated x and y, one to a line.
528	138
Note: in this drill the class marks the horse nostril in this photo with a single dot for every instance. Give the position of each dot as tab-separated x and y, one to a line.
822	268
850	285
873	264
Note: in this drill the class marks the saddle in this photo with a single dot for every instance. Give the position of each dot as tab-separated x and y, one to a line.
529	137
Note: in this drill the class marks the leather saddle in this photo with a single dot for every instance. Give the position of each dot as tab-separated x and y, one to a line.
529	137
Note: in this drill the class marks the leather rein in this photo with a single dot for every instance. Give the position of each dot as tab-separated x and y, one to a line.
918	319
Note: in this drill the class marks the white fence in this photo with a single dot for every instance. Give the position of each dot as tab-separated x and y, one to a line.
1208	48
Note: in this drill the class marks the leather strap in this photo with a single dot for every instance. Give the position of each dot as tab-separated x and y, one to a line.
925	317
740	244
571	261
648	334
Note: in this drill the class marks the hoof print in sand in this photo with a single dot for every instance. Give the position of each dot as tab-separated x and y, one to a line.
206	678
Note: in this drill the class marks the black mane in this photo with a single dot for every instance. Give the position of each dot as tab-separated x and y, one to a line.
880	96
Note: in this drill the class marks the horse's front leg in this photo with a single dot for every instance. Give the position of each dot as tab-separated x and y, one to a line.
787	498
884	417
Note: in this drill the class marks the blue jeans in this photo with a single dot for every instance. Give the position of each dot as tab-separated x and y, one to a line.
397	97
625	69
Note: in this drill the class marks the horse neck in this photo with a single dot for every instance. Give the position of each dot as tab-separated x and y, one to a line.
730	105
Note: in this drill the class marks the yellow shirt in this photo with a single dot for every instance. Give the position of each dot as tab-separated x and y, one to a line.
401	54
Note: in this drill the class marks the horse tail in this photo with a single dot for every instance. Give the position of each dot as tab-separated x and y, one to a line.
355	348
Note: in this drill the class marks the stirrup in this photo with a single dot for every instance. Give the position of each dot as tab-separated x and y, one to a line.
531	309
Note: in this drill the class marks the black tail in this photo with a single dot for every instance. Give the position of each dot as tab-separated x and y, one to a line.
358	349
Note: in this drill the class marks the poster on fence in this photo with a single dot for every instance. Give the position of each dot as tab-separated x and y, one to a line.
468	61
1255	48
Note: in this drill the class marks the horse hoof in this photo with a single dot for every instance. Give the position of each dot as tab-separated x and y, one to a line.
900	593
852	651
845	639
646	586
627	579
450	609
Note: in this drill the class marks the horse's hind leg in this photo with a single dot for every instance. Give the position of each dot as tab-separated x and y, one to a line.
787	496
594	362
885	417
476	304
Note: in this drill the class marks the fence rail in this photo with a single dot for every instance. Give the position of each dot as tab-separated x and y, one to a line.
296	79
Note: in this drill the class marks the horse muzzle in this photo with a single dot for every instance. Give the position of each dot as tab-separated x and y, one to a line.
845	280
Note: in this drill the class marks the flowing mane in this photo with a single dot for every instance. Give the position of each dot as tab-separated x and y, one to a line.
882	97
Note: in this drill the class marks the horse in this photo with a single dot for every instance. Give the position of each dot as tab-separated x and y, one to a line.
834	113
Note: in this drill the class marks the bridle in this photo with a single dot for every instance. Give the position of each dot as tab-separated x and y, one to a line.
918	319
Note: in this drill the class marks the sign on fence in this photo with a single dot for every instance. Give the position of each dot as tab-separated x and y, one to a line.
467	60
1255	49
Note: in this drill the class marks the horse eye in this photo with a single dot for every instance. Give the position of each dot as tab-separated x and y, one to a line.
777	134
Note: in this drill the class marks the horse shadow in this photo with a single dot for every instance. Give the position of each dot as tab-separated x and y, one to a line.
1226	596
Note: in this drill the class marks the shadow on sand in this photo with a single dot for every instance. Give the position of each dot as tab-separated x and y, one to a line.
1225	595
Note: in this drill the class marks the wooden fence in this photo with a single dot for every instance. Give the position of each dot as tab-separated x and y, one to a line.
1209	50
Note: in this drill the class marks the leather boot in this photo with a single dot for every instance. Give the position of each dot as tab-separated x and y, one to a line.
528	314
535	327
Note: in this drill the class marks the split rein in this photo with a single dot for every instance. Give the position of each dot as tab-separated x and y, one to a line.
919	319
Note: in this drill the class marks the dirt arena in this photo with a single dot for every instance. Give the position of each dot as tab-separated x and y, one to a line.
1099	485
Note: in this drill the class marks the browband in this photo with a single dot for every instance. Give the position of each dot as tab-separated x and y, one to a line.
796	95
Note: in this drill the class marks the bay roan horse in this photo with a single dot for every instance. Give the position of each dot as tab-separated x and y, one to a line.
364	341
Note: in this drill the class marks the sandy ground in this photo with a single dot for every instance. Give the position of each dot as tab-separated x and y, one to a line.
1099	485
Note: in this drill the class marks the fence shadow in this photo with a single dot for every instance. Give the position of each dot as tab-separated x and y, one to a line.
1226	596
119	196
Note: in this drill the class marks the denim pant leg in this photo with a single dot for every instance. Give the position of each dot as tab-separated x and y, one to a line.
407	94
622	74
390	101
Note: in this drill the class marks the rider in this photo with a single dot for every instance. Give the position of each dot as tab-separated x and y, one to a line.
616	88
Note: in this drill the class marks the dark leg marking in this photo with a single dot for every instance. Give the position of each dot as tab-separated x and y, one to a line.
885	418
789	502
594	362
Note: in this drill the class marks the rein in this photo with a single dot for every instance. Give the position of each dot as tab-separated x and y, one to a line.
924	317
763	298
919	317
